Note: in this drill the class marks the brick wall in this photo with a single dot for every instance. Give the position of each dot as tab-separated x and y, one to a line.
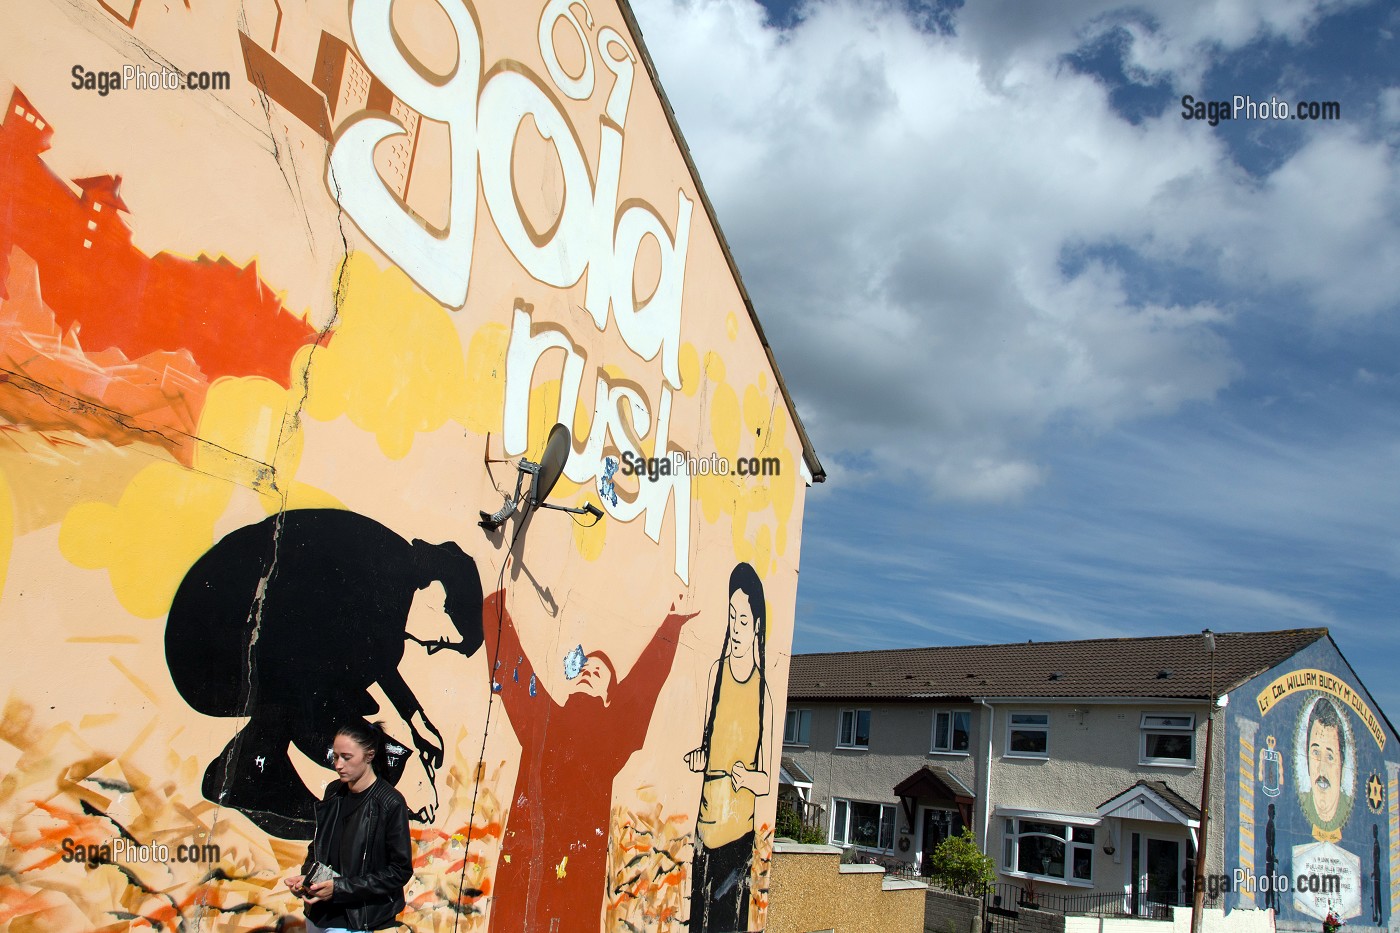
1040	921
952	913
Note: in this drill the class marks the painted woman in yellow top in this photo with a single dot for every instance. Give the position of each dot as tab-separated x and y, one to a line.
734	758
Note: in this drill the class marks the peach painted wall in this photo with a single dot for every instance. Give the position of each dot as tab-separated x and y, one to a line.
268	349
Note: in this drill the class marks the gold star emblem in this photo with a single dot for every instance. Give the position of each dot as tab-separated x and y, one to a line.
1375	792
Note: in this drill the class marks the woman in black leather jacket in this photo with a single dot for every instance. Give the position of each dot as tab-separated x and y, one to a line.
362	836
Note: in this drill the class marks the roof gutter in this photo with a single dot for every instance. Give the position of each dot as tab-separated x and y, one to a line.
986	794
1099	701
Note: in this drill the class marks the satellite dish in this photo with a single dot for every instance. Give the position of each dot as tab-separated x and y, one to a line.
556	453
546	473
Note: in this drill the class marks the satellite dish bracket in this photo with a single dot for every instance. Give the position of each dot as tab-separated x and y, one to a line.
546	473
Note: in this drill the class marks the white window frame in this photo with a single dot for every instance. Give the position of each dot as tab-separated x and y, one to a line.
851	739
840	834
803	733
1012	833
1012	726
1147	728
948	749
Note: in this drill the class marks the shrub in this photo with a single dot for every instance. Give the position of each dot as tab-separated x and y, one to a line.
792	826
959	866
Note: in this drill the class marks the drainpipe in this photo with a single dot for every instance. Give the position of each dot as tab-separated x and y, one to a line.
987	774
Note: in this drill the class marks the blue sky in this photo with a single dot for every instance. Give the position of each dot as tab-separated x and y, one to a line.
1077	367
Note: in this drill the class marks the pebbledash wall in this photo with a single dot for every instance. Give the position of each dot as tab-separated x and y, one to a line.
270	344
1311	783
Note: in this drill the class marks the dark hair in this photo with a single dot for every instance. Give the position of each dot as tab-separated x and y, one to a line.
1324	714
370	737
606	661
744	579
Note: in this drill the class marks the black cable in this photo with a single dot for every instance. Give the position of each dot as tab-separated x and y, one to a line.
490	700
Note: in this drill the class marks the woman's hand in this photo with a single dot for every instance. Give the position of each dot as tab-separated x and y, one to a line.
295	882
320	891
695	760
743	778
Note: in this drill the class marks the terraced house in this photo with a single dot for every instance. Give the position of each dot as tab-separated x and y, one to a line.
1081	767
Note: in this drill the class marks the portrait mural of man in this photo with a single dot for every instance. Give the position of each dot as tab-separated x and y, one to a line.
1325	761
1312	734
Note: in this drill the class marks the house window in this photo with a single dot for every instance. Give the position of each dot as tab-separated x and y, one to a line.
1028	735
855	729
951	731
1044	849
869	825
1168	739
798	727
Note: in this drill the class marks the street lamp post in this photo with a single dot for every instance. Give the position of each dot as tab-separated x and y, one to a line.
1199	895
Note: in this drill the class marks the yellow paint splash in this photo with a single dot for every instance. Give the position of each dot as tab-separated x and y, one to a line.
589	539
562	868
690	368
165	518
486	378
756	428
724	421
395	365
714	367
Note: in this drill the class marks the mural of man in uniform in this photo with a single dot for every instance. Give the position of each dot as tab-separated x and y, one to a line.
289	622
1324	788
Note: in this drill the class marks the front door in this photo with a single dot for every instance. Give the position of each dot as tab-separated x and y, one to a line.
1156	874
1164	871
936	826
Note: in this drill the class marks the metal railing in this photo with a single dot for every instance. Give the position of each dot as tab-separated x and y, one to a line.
1008	899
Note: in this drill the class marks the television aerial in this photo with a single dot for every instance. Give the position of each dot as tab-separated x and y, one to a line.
546	474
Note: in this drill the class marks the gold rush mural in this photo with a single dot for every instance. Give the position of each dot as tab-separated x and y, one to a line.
289	294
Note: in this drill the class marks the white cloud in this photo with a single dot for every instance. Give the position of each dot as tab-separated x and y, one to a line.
902	203
1164	39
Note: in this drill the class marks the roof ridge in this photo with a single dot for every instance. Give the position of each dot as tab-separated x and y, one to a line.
1318	632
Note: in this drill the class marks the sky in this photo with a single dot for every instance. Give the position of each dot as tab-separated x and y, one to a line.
1076	366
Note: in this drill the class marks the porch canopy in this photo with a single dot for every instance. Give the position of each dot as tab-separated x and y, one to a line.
934	785
1153	801
791	774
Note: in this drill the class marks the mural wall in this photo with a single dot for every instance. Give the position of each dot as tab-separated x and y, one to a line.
1311	796
287	291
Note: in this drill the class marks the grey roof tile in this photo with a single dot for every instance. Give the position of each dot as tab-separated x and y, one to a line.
1169	666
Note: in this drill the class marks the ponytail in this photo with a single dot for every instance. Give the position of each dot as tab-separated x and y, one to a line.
370	737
